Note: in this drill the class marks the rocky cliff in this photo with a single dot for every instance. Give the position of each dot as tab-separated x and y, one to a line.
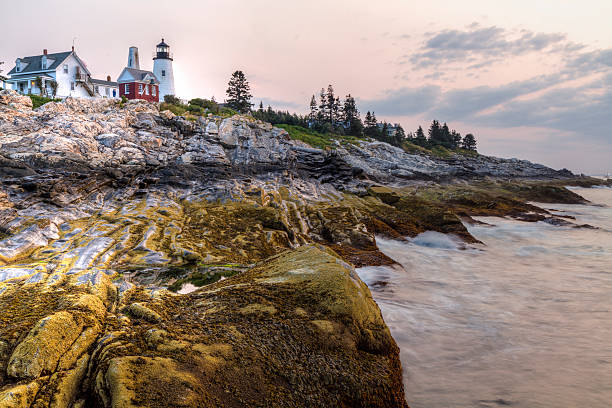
105	206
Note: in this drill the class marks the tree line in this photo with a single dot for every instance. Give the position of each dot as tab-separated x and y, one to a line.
441	135
329	114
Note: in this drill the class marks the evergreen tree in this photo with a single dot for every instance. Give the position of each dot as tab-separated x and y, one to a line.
455	139
399	136
261	108
435	133
351	116
337	111
384	134
420	138
239	93
469	142
330	105
446	138
322	106
313	110
371	128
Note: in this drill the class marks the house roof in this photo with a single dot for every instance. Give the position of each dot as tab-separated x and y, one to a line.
103	82
138	75
35	63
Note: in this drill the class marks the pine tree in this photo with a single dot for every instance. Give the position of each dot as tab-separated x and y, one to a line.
322	106
446	138
331	108
455	139
351	116
261	108
313	110
384	134
469	142
420	138
435	133
336	111
399	136
371	129
239	93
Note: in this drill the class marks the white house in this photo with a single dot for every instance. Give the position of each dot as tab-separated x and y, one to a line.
105	89
3	79
64	68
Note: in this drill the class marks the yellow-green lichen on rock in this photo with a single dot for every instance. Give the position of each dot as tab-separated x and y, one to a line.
239	342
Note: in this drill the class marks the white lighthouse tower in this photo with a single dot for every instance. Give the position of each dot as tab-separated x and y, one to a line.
162	68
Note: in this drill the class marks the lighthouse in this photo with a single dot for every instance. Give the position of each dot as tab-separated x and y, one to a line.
162	68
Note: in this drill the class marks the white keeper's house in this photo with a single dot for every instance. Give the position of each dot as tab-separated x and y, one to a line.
37	74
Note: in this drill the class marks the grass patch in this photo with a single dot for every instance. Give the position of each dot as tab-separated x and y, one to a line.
316	139
436	151
414	149
38	101
441	152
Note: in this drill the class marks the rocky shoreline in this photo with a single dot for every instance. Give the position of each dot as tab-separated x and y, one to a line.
103	206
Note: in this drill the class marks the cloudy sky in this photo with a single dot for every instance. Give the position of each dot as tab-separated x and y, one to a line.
530	78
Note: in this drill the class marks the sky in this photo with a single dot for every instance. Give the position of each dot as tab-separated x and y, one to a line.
530	78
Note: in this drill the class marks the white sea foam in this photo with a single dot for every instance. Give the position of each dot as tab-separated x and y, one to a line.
433	239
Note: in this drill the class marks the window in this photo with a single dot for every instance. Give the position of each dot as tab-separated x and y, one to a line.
114	93
72	86
154	90
140	89
163	72
107	91
127	88
96	89
65	69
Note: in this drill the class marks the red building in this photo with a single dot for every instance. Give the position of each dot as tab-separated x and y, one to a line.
138	84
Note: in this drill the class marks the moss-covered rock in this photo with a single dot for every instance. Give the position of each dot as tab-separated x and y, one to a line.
241	343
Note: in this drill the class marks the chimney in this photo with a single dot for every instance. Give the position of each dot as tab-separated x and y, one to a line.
133	60
45	51
73	48
108	78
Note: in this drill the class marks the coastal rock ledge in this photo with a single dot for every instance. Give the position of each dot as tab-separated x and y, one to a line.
297	330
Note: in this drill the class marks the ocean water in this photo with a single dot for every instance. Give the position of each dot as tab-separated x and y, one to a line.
522	321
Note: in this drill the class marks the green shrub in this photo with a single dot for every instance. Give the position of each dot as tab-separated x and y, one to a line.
38	101
206	104
173	100
178	110
198	110
227	112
